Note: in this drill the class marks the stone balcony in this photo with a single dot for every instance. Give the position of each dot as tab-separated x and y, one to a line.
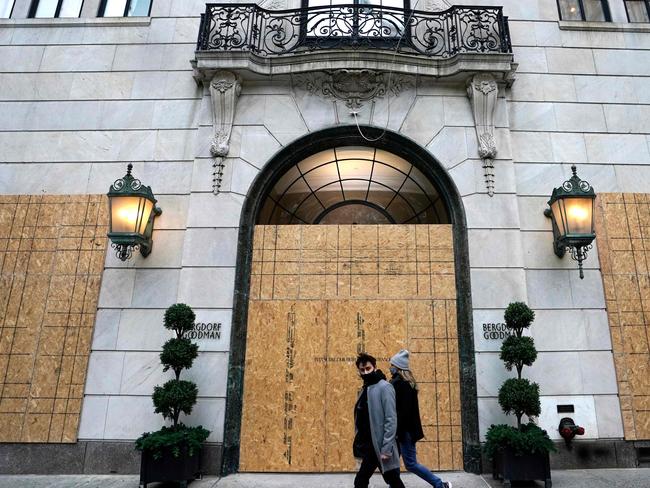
249	39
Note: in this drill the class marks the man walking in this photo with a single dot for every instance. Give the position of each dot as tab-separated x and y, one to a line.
375	421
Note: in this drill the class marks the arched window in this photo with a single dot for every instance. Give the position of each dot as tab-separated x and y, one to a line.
353	185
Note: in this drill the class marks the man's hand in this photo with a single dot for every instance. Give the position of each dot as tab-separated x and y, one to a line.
385	457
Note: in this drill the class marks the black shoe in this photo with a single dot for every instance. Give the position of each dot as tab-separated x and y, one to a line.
447	484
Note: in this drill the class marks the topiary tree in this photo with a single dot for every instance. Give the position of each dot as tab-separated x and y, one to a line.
178	353
176	396
518	396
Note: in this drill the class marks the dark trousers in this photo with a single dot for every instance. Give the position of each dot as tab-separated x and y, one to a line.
369	464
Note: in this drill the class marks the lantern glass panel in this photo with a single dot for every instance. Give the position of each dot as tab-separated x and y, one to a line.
579	215
557	208
130	214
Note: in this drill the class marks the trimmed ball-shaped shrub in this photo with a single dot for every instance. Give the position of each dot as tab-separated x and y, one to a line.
520	397
178	354
175	397
179	318
518	352
518	316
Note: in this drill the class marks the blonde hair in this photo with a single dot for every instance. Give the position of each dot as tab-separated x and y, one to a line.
408	377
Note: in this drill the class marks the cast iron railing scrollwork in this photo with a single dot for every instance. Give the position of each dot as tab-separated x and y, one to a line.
248	27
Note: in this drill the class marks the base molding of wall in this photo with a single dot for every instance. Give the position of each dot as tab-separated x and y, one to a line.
87	457
586	454
120	457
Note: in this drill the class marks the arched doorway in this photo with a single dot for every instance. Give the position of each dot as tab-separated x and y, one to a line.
337	179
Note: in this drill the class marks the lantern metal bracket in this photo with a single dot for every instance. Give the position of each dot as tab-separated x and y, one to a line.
558	247
145	248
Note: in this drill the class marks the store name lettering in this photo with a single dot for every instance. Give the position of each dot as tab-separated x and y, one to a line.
495	331
203	330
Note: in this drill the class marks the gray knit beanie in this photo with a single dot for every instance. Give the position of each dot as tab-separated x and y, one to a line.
401	360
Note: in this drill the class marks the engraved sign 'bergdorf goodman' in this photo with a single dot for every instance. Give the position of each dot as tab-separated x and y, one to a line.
495	331
203	330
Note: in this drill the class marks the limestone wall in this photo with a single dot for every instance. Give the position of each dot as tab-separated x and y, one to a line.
81	98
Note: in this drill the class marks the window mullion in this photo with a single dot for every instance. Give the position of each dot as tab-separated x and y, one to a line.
605	6
127	5
583	15
59	4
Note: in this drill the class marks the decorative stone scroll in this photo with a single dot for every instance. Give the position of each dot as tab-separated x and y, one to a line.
354	87
482	90
225	88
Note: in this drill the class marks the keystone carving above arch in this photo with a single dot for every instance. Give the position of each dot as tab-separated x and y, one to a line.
353	86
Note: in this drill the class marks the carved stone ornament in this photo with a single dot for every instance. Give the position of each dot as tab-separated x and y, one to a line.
482	90
354	87
224	91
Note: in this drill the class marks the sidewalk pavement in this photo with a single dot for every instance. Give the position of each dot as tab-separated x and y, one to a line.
581	478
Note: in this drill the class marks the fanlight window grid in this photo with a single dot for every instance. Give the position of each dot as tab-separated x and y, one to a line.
370	181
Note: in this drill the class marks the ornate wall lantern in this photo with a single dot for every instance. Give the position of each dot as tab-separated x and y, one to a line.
132	209
571	208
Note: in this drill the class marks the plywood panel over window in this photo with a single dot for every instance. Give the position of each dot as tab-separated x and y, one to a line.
320	295
623	229
51	258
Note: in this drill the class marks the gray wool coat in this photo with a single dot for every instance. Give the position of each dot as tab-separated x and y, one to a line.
383	423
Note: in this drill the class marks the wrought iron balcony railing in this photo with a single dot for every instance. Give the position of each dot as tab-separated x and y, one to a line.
460	29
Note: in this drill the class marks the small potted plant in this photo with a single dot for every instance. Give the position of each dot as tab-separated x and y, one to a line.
173	453
522	452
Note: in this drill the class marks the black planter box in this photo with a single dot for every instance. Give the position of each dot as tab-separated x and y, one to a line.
182	469
528	467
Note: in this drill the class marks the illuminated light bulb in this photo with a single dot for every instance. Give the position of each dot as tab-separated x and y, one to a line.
128	214
578	213
572	10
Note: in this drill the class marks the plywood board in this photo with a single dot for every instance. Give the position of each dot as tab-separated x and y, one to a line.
52	251
283	403
332	292
623	229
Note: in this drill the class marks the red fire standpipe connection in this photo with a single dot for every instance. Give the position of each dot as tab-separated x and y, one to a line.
568	430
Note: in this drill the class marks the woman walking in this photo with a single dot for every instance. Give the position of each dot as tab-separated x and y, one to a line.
409	426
